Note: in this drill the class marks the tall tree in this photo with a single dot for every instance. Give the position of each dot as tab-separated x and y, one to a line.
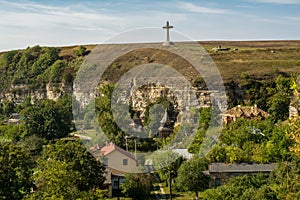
167	163
137	186
48	119
190	176
280	101
15	172
79	160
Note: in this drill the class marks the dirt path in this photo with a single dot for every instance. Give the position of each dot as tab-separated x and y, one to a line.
162	194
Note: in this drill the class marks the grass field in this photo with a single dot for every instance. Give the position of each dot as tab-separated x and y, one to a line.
261	60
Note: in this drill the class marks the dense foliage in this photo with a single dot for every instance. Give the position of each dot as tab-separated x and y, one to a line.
282	184
15	172
191	176
137	186
66	170
35	67
252	141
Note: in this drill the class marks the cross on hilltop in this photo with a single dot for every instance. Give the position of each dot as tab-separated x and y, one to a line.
168	27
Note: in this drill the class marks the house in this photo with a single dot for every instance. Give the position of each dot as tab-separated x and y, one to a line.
14	119
119	159
118	162
220	172
246	112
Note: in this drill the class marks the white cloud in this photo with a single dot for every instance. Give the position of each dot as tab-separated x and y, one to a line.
30	23
30	13
293	18
276	1
190	7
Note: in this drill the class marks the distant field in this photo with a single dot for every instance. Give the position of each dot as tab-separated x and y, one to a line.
259	59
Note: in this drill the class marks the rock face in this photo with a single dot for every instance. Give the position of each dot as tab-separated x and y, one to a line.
18	93
141	97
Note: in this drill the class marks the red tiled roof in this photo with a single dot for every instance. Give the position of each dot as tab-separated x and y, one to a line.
111	147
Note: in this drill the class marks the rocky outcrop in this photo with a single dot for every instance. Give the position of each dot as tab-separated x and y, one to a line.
18	93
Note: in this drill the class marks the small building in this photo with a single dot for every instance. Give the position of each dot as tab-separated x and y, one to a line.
14	119
220	172
246	112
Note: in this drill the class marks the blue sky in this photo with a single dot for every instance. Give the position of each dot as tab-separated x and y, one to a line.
69	22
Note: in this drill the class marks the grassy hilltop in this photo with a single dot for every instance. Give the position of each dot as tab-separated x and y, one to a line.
256	59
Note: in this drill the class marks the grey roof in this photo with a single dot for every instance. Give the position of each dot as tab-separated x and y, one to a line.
243	167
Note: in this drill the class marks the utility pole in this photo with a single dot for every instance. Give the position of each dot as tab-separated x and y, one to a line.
170	184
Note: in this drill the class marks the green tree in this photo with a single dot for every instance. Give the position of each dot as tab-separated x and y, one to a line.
78	159
167	163
32	143
8	107
285	179
48	119
280	101
242	187
15	172
55	180
137	186
204	122
252	141
105	116
56	71
190	176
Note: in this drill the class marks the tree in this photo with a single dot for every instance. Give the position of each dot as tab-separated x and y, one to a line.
242	187
285	179
295	136
252	141
204	122
55	180
15	172
137	186
48	119
105	116
8	107
78	159
167	163
190	176
280	101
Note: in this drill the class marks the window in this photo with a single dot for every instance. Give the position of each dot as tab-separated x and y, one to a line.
116	183
217	182
125	161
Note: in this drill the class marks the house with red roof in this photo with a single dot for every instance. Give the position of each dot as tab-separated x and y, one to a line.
118	162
